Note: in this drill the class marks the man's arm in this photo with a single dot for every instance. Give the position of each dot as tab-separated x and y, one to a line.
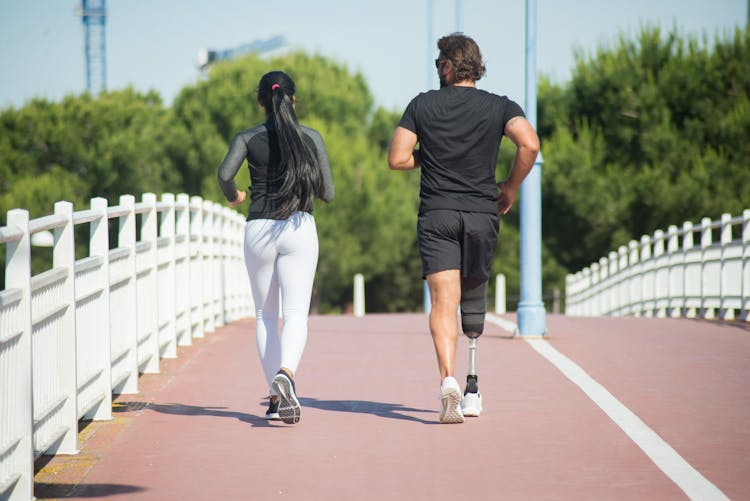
401	152
520	131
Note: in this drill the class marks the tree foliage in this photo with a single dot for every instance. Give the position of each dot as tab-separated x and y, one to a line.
647	133
84	147
651	132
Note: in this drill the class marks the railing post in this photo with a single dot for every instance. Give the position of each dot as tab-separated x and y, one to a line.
675	260
604	284
359	295
556	300
707	281
17	415
248	288
571	287
238	265
726	312
197	316
167	333
99	247
209	279
661	276
128	306
634	282
246	307
623	281
218	238
594	297
222	251
584	304
500	303
182	270
63	256
234	287
647	280
233	276
225	293
691	281
575	290
613	283
148	289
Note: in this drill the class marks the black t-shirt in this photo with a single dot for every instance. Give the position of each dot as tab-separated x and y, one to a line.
459	131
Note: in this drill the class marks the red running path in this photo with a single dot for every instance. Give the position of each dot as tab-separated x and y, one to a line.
369	431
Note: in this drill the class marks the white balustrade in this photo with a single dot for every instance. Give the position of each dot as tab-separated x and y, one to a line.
84	329
668	274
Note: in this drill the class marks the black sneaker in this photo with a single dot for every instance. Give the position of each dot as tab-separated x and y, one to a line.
289	409
272	414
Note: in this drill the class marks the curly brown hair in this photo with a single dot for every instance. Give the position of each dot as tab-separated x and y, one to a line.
464	55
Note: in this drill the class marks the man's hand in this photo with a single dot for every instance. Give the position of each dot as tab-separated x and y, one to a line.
506	197
241	195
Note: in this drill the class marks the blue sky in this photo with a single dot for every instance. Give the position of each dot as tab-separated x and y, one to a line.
153	44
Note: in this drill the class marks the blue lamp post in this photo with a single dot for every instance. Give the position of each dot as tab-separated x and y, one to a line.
531	314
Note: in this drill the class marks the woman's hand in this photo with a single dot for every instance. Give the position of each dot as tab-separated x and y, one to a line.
241	195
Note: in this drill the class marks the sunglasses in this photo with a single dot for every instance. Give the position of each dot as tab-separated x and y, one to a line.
439	62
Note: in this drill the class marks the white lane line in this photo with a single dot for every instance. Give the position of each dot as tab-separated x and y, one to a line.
687	478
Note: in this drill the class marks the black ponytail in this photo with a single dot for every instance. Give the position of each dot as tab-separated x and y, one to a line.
299	173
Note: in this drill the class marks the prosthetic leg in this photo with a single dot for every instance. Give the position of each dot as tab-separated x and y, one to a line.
473	310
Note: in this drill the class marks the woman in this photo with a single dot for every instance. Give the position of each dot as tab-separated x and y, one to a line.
288	168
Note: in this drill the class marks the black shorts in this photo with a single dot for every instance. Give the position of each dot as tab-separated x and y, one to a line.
455	240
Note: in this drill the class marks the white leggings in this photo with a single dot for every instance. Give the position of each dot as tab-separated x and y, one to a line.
281	255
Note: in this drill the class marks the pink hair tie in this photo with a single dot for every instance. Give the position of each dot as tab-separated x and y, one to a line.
274	87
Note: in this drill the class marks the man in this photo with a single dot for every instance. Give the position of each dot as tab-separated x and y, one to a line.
459	129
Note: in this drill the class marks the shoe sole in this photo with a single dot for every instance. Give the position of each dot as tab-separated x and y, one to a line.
289	408
471	412
451	412
273	417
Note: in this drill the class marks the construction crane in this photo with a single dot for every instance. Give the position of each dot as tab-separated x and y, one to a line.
207	56
94	16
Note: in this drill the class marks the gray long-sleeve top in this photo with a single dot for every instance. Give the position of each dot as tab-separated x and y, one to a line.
258	145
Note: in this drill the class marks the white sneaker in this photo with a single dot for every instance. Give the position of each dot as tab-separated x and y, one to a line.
450	394
471	404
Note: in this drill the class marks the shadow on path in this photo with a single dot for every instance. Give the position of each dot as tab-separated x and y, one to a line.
734	323
196	410
71	491
380	409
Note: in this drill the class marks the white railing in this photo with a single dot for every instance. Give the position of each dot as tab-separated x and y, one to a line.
673	274
73	335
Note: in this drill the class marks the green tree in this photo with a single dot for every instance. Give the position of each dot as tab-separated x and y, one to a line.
83	147
650	132
120	142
